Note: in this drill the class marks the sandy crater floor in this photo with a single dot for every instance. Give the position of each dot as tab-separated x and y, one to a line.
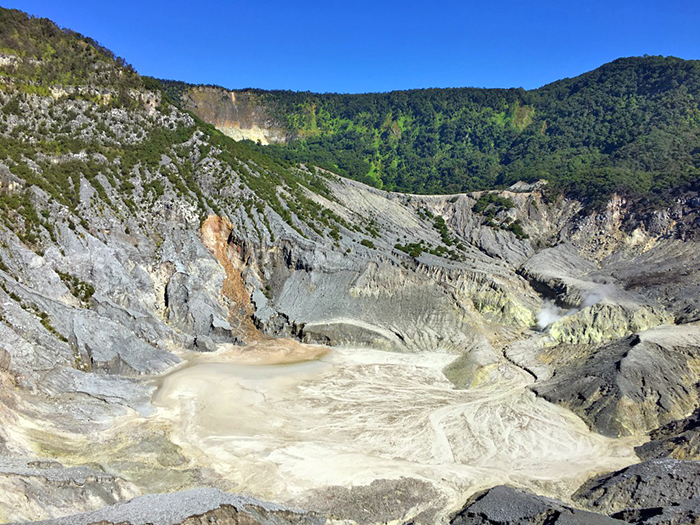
285	420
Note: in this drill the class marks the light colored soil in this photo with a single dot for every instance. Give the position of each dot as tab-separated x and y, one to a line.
283	431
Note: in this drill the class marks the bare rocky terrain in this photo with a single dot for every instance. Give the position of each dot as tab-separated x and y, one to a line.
182	321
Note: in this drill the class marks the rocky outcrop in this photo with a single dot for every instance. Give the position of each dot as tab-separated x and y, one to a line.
35	488
685	513
605	321
558	274
646	490
632	385
653	492
504	505
601	232
194	507
678	439
667	273
379	502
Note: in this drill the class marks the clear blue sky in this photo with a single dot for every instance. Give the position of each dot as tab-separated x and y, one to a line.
359	46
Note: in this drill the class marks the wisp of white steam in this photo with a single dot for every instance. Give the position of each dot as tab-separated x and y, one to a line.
551	312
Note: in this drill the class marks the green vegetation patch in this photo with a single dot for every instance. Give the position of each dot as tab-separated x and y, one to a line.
631	126
490	204
79	288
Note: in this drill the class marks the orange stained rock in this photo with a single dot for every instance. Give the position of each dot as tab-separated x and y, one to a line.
215	236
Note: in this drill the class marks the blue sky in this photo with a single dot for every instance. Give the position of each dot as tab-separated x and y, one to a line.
361	46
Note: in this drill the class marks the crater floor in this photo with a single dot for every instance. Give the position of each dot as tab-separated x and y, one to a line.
287	422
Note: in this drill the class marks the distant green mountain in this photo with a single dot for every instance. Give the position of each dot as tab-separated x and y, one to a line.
632	125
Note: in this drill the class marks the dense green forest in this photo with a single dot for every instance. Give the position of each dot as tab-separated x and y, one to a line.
632	125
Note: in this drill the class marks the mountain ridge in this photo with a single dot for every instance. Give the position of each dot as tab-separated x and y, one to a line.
611	125
616	61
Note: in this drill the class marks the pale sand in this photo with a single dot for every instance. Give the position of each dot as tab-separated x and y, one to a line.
353	416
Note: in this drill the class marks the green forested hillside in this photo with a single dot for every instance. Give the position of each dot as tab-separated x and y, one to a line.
39	54
632	125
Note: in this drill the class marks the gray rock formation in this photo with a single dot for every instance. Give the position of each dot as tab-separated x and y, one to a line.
504	505
632	385
685	513
678	439
33	487
668	273
557	273
194	507
648	489
379	502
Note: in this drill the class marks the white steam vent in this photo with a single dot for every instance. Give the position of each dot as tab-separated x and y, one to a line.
551	313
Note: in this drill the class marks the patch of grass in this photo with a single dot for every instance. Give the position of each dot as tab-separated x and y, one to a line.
367	243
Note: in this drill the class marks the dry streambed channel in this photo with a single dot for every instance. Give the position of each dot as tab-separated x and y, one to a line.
283	421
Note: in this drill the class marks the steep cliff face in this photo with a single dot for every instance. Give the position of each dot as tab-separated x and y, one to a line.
240	115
